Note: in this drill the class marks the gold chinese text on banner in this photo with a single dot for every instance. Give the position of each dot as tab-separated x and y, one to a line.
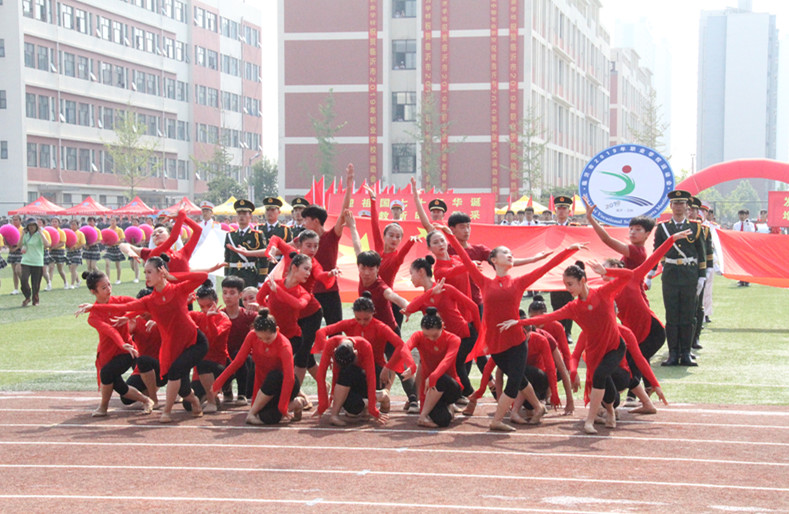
372	88
444	93
514	120
494	97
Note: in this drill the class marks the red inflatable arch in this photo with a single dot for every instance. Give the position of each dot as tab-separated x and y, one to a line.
735	170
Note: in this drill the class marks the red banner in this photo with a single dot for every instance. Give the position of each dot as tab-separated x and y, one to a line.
743	257
444	105
480	207
513	99
427	74
778	209
372	88
494	97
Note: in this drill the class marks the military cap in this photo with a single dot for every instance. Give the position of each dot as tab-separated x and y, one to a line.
565	201
678	195
396	203
205	204
243	205
271	201
437	204
695	202
299	201
704	207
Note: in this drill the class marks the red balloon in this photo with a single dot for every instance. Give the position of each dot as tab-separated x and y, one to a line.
234	226
10	234
71	237
109	237
134	235
225	227
91	234
54	236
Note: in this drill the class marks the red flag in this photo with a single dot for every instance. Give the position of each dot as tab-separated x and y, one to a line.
408	189
551	207
529	204
340	190
361	187
432	190
310	196
332	189
509	202
377	187
320	193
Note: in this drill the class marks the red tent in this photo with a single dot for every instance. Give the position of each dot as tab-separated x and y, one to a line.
184	205
87	207
134	208
40	207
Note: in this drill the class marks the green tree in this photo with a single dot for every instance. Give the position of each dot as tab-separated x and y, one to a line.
326	128
533	141
650	127
219	172
133	154
716	200
264	178
744	196
428	138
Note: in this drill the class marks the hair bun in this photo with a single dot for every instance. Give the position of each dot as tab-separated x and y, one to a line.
84	275
431	311
208	284
293	254
430	259
538	298
164	257
367	294
522	314
263	312
580	264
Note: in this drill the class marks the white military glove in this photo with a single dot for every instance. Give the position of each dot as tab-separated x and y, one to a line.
710	271
700	285
648	283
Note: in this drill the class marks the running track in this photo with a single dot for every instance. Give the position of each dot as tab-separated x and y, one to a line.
697	458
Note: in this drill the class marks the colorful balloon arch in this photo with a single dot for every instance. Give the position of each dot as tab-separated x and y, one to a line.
735	170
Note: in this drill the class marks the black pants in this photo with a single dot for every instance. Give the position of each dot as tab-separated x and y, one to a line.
144	364
409	385
512	362
608	364
332	306
272	386
558	300
539	381
450	393
649	347
182	366
112	373
34	274
398	316
355	377
244	379
302	355
461	367
618	380
204	368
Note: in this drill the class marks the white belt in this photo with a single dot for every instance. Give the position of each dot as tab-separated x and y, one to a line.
687	261
241	265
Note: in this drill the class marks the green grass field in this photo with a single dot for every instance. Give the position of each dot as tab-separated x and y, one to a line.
745	359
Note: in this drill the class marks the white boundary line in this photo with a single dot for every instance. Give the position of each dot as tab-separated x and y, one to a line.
311	503
364	472
522	433
402	449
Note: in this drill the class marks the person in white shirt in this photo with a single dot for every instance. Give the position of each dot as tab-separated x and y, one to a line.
509	218
761	224
744	225
529	220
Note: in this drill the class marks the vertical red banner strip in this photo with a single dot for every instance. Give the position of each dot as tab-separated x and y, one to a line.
494	98
444	107
427	77
372	89
514	118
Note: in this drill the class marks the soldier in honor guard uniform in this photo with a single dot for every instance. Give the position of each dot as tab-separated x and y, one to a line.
695	215
684	274
248	268
297	224
272	226
437	208
561	298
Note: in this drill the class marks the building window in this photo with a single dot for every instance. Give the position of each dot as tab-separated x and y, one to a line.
84	159
3	149
30	104
30	53
69	64
84	117
66	16
43	108
2	47
4	101
108	119
32	155
43	58
45	156
404	106
404	8
27	8
70	114
404	158
42	10
81	21
404	54
83	68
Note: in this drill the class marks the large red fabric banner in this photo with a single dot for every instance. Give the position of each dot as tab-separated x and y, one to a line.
743	257
480	207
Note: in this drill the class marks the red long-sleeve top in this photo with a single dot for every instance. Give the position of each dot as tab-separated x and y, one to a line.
454	273
285	305
633	309
168	310
383	309
556	330
364	360
267	357
377	334
540	356
179	259
239	328
111	338
456	309
216	328
317	274
436	357
596	316
390	261
147	342
501	297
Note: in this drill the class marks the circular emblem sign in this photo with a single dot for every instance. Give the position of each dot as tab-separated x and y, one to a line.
624	181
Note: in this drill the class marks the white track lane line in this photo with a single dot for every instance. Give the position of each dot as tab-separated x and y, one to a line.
401	449
523	433
359	472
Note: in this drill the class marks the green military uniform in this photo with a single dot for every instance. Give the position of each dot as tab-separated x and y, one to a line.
277	229
706	235
298	203
248	268
683	265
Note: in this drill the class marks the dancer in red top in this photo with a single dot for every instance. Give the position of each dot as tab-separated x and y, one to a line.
145	334
240	324
179	259
594	311
501	297
633	254
216	326
457	311
439	385
116	351
353	379
554	333
276	387
183	345
380	338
